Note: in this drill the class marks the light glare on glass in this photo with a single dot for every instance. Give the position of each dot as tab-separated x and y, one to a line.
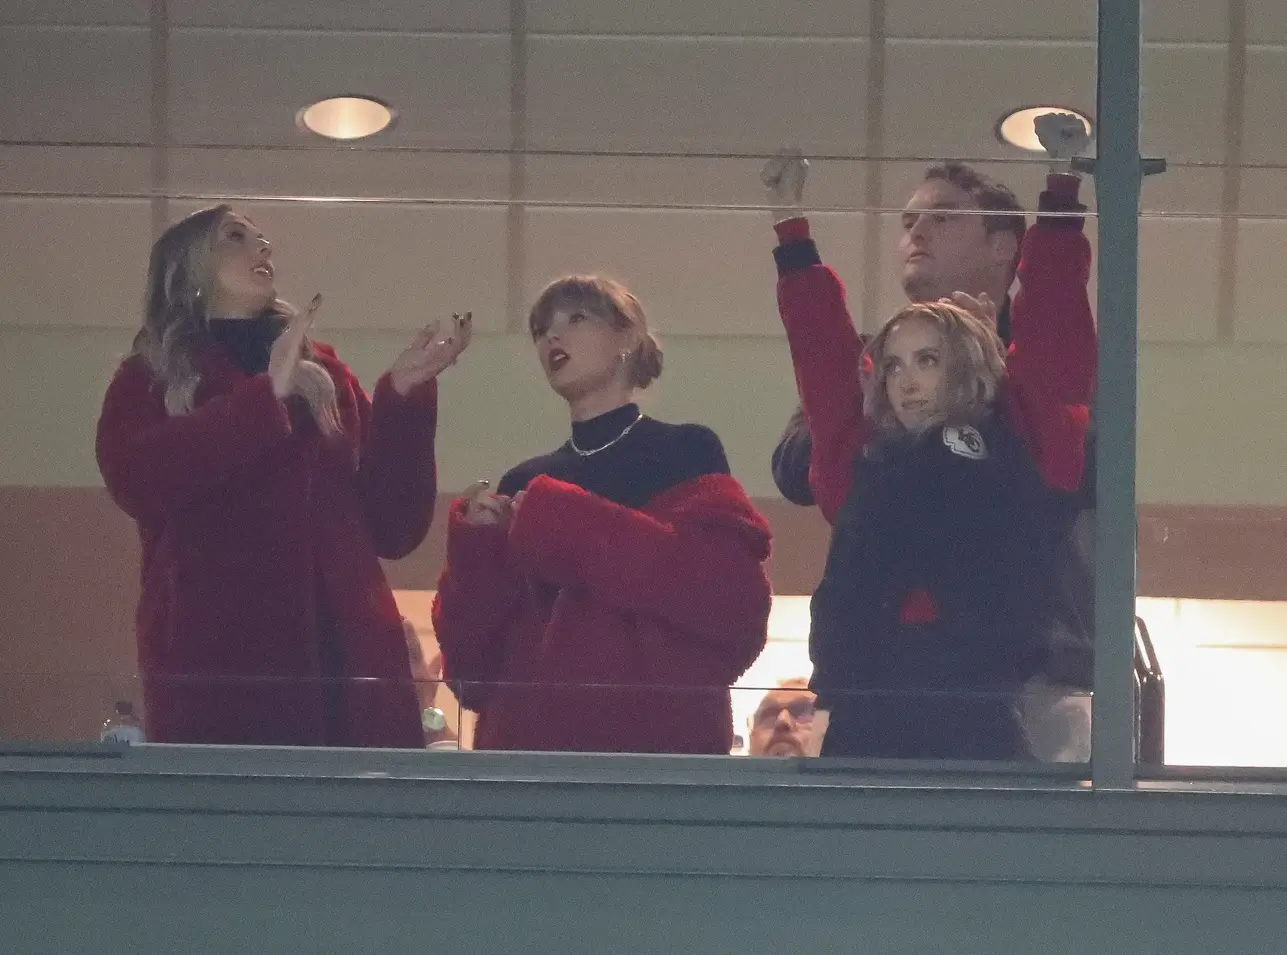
1018	127
346	117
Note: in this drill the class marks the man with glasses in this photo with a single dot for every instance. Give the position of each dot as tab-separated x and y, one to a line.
781	723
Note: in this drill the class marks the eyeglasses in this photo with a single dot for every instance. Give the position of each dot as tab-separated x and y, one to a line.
801	711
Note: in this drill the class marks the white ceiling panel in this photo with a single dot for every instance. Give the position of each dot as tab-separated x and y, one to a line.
1261	283
1182	102
240	87
682	182
1266	21
993	20
337	174
74	262
1193	190
697	273
75	85
1263	193
76	170
1185	20
822	18
696	96
76	12
386	266
1264	137
944	99
403	16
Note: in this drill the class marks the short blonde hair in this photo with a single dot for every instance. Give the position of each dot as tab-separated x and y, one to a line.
610	300
973	365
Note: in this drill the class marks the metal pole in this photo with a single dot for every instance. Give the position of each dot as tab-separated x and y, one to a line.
1117	187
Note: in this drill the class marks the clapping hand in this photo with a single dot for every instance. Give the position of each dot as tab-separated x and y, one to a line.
431	352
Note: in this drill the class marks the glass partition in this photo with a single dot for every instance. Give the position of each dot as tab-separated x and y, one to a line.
528	141
1210	449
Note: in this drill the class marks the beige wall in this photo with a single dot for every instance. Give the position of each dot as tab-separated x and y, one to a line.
1211	416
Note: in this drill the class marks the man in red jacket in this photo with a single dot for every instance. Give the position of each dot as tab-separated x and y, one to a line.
944	254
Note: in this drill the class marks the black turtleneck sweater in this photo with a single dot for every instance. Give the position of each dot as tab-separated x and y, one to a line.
652	458
247	340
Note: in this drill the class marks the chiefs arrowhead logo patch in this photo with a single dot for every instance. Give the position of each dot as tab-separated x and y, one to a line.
966	441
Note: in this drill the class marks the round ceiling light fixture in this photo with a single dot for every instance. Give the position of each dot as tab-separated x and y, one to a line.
346	118
1018	127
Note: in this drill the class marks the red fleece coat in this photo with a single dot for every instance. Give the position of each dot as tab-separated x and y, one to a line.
1050	369
632	623
262	591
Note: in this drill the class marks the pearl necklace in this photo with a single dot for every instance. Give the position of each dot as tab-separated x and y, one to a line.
604	447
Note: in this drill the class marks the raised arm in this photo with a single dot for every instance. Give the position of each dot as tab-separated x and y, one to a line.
1051	367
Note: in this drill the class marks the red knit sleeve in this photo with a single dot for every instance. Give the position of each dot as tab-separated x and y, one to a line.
153	462
826	351
1051	366
397	473
699	568
477	599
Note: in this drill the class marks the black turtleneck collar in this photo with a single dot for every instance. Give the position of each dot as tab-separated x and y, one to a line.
598	431
247	341
653	457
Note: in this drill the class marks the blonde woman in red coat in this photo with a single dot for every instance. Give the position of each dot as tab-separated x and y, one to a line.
266	486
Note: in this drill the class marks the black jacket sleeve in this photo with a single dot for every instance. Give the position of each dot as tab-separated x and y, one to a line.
791	461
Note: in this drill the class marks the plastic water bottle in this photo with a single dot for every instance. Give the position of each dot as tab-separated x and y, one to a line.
122	726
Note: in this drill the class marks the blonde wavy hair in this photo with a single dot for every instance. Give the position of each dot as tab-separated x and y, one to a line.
180	284
973	360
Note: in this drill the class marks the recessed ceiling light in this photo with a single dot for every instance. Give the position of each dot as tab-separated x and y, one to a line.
1018	127
346	117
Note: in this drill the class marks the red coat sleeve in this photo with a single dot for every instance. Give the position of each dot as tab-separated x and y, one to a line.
477	600
153	462
1051	367
699	569
397	470
826	351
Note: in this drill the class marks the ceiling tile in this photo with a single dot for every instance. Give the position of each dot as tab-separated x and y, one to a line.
338	174
1264	137
403	16
75	85
697	273
77	170
682	182
450	91
993	20
76	12
822	18
696	96
931	112
1185	20
1266	22
1182	102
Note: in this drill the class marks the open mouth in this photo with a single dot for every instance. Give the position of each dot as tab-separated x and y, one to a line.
265	270
557	358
